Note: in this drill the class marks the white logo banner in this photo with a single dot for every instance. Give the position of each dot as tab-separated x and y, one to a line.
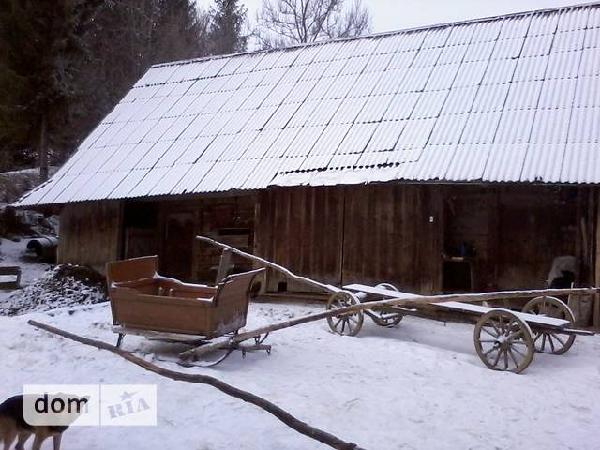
133	405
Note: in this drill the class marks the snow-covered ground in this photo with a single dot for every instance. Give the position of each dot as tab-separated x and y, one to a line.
417	386
13	253
43	287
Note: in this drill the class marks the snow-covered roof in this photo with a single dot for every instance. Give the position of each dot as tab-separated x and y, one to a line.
507	99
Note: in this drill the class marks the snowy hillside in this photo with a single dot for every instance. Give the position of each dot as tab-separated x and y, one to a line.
417	386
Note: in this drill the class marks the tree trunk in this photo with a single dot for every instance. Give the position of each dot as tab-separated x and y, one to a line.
43	148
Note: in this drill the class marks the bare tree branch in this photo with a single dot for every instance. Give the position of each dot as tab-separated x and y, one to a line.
281	23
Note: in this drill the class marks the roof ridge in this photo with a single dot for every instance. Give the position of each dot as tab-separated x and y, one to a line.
382	34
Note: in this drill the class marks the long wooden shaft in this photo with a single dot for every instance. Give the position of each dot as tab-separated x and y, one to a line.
271	408
264	263
414	302
465	298
404	302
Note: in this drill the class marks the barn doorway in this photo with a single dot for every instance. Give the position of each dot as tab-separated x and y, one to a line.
502	238
140	229
178	238
468	226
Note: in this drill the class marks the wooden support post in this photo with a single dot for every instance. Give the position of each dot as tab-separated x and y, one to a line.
224	265
596	321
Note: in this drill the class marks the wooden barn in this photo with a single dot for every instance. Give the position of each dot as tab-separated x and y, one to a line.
456	157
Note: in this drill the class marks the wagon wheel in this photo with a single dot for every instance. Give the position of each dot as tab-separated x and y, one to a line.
348	324
383	318
503	341
548	342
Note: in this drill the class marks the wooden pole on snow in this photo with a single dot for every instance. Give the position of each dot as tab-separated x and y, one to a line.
425	302
285	417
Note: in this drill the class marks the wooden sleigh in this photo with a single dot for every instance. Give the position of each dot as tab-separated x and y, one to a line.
146	304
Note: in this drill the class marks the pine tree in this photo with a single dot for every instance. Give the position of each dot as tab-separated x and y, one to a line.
180	31
41	42
226	31
65	63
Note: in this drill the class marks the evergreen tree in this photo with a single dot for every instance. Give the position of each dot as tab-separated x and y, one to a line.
130	37
40	44
226	31
180	32
65	63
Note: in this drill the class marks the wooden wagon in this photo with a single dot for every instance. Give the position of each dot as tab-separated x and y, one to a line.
504	339
147	304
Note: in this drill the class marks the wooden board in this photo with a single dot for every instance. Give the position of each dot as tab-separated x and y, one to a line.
532	319
378	291
515	232
366	234
90	234
301	229
392	234
224	217
157	335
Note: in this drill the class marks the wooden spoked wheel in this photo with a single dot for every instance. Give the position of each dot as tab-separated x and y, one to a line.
348	324
385	318
503	341
548	342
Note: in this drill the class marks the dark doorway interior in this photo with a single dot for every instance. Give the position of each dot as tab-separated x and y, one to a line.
179	232
140	229
502	238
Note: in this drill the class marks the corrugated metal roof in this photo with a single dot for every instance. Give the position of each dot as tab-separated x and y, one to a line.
505	99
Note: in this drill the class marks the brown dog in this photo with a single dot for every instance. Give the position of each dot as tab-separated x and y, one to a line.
13	427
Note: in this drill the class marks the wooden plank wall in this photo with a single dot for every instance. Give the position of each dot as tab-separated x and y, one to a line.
398	233
596	251
168	228
90	234
301	228
516	232
229	220
340	235
471	216
370	234
141	235
392	233
536	225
